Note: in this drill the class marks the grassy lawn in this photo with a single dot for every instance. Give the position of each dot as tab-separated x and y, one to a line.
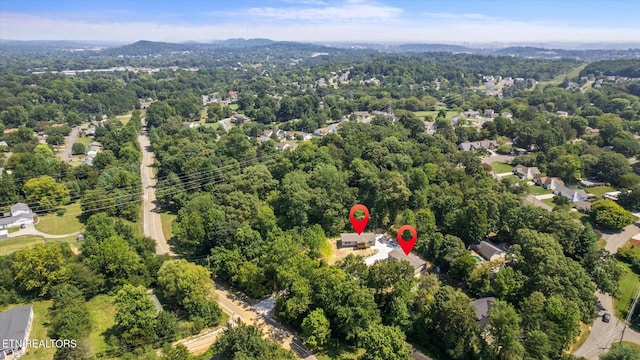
84	140
39	329
233	107
538	190
339	352
167	221
632	345
65	224
585	330
629	286
11	245
600	190
124	119
433	114
549	202
500	167
102	313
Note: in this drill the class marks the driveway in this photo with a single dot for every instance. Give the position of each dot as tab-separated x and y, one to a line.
532	200
617	240
384	248
30	229
151	216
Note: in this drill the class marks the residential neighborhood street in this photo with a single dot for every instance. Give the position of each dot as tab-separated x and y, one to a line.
65	155
604	334
151	215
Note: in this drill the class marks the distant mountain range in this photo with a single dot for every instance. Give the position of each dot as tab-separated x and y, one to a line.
153	48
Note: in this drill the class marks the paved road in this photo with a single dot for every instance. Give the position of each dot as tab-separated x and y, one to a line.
616	240
604	334
151	215
65	155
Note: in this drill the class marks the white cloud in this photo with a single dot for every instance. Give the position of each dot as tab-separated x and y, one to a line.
28	27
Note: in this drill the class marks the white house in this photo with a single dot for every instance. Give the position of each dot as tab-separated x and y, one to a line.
15	326
19	214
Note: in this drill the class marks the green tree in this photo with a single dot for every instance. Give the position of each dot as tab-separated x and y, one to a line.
244	342
43	150
189	286
78	148
38	268
610	215
504	327
621	352
612	167
135	316
46	193
384	342
315	329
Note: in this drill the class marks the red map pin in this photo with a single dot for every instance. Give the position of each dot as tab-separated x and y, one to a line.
407	245
359	225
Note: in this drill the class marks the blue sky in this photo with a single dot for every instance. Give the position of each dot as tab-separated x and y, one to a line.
453	21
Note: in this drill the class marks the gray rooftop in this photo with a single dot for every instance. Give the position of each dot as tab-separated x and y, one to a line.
481	307
487	249
14	325
20	207
12	219
398	255
365	237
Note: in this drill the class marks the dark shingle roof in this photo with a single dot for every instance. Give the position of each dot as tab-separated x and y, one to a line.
397	254
14	324
481	307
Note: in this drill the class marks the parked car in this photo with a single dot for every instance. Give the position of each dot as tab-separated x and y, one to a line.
606	317
22	226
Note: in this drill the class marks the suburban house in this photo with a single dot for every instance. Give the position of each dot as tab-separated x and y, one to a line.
583	207
572	195
192	124
562	113
549	183
362	241
525	172
477	145
94	148
267	132
282	146
489	113
418	264
481	307
489	251
19	214
90	131
15	326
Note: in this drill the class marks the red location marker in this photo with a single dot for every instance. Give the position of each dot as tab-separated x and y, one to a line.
407	245
359	225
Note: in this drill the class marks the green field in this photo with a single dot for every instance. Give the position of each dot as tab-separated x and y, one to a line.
538	190
84	140
11	245
102	313
167	221
599	191
629	286
39	331
500	167
233	107
60	225
433	114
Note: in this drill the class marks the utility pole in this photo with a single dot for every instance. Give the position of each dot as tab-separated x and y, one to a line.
629	315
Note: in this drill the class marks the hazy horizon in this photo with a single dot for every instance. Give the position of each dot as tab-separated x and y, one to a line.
384	21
